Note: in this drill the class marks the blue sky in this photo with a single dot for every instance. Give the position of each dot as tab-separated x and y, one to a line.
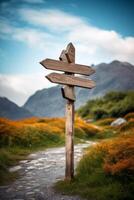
31	30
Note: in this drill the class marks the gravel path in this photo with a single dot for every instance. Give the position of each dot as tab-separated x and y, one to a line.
38	174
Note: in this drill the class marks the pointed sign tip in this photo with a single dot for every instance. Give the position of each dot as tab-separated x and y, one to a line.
44	61
70	45
70	53
48	77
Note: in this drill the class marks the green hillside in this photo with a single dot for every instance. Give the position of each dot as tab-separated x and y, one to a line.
113	104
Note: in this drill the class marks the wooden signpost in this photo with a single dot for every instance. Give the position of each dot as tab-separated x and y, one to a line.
65	67
66	63
70	80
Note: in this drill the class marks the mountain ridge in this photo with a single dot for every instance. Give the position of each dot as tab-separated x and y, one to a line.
116	75
9	109
48	102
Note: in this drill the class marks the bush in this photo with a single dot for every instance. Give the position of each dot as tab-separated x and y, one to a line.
85	110
113	104
34	132
100	113
127	126
114	156
89	129
119	158
115	96
105	122
30	132
129	116
79	133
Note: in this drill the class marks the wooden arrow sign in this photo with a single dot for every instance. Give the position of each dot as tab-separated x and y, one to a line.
68	91
70	80
67	67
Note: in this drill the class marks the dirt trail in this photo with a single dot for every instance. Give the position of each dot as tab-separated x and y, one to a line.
38	174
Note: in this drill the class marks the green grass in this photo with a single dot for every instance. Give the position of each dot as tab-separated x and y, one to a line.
92	183
8	158
97	186
107	134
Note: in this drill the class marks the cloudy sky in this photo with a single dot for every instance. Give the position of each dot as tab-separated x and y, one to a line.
32	30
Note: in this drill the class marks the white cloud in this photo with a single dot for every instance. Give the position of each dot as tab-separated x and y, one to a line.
103	45
30	36
52	19
27	35
93	44
19	87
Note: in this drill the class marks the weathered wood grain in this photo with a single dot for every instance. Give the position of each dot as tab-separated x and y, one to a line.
63	56
67	67
69	170
70	80
70	53
68	93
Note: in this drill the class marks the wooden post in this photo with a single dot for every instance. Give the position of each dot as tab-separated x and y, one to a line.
69	171
67	65
68	56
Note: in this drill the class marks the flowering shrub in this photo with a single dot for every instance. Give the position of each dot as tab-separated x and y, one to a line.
129	116
127	128
119	157
29	132
105	122
88	128
116	157
40	131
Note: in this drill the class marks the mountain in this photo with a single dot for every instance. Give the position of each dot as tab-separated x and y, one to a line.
10	110
118	76
46	102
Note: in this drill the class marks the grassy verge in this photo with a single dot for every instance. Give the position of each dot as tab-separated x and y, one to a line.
10	156
105	172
